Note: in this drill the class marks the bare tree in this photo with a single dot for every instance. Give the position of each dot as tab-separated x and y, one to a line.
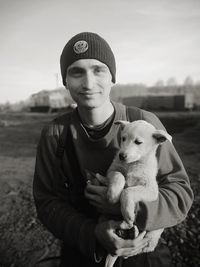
159	83
188	82
171	82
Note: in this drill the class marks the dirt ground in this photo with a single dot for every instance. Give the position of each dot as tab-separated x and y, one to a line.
25	243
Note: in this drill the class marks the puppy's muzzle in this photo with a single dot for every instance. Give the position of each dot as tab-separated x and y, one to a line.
122	156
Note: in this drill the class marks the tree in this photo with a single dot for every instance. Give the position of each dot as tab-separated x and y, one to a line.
171	82
188	82
159	84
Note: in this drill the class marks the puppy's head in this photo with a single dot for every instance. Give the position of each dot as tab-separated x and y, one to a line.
139	139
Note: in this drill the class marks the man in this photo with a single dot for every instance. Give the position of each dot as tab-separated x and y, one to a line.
86	140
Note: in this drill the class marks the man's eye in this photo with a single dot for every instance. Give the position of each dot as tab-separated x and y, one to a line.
137	142
123	139
99	70
75	72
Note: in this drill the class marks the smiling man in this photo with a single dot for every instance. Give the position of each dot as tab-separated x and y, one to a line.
86	140
89	82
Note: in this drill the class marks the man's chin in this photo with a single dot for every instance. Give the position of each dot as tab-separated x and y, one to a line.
90	104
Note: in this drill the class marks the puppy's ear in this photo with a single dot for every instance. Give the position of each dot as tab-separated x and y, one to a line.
122	123
161	136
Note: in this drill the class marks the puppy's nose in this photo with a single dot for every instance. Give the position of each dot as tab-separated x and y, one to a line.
122	156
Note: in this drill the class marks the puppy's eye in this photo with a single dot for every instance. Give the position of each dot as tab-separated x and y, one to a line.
123	139
137	142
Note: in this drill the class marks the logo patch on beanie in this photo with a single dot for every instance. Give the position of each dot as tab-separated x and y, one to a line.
80	47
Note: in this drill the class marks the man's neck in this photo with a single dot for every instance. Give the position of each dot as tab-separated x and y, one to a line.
95	116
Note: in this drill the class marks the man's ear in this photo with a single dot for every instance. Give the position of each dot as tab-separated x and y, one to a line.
122	123
66	86
161	136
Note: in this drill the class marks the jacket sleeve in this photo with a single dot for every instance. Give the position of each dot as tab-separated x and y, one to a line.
175	194
52	205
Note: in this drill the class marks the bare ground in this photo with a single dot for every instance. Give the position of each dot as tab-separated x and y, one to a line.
24	242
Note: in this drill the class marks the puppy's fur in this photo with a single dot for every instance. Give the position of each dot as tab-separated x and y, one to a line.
132	175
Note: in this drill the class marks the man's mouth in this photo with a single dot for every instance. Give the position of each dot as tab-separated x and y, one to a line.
89	94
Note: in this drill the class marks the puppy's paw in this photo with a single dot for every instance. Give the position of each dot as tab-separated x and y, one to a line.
124	225
127	231
153	237
149	248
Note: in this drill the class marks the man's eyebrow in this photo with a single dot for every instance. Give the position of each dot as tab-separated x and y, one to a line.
99	66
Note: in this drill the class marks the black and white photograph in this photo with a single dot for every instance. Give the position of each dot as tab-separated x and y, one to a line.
99	133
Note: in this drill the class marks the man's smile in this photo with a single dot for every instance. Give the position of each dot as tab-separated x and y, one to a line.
89	93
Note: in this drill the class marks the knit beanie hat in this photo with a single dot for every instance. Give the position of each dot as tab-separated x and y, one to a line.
87	45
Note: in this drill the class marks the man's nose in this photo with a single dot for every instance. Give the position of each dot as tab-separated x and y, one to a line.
89	79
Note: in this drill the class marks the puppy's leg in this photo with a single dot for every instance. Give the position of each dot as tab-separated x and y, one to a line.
153	237
116	182
132	195
127	206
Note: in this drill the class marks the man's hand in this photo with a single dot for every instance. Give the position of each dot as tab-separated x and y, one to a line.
96	178
97	196
106	235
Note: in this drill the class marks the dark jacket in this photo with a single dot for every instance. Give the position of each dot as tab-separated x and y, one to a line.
59	197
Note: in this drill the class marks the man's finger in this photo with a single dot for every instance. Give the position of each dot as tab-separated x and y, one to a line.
140	236
134	250
138	242
94	197
131	253
103	180
90	174
95	189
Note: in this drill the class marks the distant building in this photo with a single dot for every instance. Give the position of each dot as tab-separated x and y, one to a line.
161	101
50	100
154	98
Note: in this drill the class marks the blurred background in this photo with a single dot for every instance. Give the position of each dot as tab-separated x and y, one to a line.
156	45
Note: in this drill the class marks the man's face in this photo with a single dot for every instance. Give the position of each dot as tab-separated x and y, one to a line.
89	82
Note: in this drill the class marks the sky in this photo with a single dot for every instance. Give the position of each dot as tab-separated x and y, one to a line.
152	40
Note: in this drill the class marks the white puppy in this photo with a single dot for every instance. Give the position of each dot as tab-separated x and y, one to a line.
132	175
